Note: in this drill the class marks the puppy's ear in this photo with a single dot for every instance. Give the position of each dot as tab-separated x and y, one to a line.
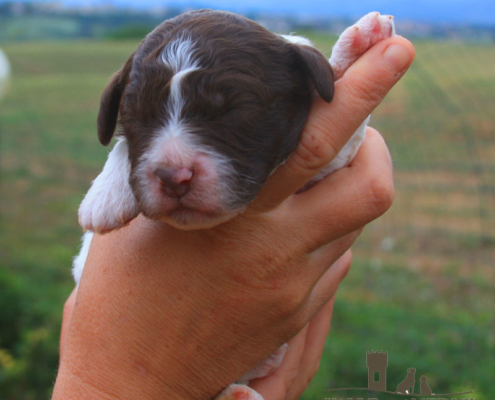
110	103
317	67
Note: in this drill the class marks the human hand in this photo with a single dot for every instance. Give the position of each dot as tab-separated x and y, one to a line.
301	361
162	313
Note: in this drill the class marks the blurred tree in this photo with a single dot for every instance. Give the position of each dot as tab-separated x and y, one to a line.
131	31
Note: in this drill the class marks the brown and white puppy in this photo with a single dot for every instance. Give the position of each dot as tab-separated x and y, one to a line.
205	109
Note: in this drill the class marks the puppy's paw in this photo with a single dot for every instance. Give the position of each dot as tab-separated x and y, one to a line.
360	37
102	212
110	203
239	392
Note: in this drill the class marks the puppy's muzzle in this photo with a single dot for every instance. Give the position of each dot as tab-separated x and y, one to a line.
175	182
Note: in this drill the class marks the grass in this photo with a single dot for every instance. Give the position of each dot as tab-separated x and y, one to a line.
422	285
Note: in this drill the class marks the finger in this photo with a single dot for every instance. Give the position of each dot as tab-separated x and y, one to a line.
276	385
67	314
279	384
350	198
327	286
325	258
330	126
316	337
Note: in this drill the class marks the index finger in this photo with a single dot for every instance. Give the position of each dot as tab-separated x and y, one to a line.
330	126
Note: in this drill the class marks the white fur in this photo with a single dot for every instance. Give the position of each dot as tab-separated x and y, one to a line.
179	56
346	51
110	202
298	40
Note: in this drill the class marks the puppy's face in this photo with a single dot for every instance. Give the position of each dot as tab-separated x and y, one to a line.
210	104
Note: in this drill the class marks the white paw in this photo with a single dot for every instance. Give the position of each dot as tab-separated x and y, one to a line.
239	392
360	37
110	202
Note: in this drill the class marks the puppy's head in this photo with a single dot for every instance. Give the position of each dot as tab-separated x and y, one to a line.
210	104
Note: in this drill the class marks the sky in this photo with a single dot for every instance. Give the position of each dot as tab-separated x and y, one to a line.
479	12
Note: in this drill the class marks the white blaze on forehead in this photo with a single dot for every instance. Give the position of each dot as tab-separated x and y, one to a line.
178	55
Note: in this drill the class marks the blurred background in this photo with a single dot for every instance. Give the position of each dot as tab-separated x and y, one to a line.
423	280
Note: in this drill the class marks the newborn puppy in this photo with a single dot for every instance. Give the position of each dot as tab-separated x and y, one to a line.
205	109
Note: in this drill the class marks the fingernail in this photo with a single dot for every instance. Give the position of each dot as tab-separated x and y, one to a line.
396	58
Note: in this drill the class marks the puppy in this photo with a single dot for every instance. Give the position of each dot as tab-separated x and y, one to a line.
204	110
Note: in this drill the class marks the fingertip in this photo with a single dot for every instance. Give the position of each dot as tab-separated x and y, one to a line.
373	75
376	142
398	55
406	43
374	164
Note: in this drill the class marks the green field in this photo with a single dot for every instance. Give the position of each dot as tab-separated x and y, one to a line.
423	282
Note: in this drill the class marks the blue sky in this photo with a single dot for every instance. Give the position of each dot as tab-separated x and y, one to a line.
459	11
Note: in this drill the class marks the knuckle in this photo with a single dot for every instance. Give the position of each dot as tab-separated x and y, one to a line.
366	91
382	191
316	148
289	303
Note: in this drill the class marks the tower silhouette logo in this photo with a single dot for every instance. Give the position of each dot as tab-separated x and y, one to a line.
377	363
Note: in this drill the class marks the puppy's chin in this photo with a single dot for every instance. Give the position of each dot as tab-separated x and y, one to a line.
189	219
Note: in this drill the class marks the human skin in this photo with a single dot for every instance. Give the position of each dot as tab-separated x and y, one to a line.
168	314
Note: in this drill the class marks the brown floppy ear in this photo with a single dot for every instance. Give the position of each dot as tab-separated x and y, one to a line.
110	103
318	69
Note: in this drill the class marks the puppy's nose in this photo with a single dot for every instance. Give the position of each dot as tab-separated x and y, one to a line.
176	182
